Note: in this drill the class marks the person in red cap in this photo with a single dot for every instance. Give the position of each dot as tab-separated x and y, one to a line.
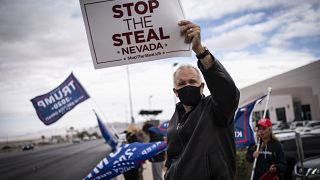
270	156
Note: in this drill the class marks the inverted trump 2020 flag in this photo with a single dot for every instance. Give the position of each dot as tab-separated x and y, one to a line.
53	105
106	134
127	157
243	132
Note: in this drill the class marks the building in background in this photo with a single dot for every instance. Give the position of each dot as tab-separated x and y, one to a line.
295	95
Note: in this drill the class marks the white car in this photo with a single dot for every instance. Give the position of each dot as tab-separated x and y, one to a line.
311	131
279	125
314	124
296	124
284	134
86	138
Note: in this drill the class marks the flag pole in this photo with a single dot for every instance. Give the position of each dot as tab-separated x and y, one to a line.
259	140
112	128
96	105
267	103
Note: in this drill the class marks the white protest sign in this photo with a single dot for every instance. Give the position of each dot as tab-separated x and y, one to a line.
126	32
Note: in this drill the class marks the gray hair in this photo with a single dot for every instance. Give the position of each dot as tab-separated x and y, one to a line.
185	66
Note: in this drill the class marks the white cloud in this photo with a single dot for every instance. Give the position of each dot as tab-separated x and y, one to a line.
247	68
204	9
243	20
260	29
236	39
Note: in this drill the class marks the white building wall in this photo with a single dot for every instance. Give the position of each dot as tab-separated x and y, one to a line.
277	101
307	76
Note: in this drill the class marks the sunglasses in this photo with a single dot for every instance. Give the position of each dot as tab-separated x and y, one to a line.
262	128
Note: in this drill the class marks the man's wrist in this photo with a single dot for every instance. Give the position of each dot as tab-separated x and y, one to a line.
203	54
200	49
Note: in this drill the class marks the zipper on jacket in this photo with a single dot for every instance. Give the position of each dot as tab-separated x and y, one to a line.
208	166
179	126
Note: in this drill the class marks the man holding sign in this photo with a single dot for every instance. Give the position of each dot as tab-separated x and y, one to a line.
201	132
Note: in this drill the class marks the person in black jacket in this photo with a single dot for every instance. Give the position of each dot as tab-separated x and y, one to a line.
157	160
270	155
200	136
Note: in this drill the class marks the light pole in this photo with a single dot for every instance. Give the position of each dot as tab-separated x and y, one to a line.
150	96
130	99
174	95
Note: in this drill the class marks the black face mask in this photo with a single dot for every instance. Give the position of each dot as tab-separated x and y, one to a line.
189	95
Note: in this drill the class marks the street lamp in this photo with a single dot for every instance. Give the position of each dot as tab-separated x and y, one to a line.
150	96
130	99
174	95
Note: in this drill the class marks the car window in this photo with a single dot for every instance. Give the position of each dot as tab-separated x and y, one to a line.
311	145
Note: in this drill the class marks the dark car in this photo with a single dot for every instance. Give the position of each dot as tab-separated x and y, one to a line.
310	169
311	147
27	147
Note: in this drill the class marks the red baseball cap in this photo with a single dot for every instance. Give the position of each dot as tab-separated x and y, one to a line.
264	122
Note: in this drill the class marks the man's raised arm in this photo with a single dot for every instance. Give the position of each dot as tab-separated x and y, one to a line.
223	90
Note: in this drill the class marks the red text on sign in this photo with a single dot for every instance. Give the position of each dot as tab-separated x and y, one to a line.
139	7
139	36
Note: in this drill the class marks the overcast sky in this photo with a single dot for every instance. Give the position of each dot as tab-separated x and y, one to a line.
42	42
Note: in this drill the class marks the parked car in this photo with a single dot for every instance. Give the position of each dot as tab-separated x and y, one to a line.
296	124
311	147
93	137
284	134
76	140
310	125
310	131
280	125
27	147
310	170
86	138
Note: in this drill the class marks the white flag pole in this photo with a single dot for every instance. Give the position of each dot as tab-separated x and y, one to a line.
97	108
112	128
259	141
267	103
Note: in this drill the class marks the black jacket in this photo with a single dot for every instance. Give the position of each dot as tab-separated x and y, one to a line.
270	154
201	143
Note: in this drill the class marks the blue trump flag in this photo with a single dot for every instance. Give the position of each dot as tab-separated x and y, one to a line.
157	130
126	157
243	132
53	105
161	129
106	134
